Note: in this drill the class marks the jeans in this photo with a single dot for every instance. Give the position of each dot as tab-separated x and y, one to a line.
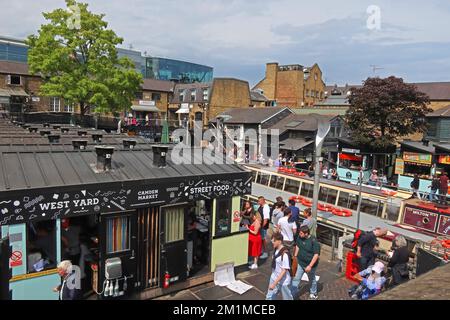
365	262
298	278
285	291
432	196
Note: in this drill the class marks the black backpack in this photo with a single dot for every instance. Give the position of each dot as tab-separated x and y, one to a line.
280	254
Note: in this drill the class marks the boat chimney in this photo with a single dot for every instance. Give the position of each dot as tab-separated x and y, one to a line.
159	156
104	158
79	144
129	143
97	137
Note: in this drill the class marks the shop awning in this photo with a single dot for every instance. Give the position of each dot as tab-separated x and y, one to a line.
351	157
145	108
294	144
9	92
183	109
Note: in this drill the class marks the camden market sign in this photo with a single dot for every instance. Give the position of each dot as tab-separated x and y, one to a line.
64	202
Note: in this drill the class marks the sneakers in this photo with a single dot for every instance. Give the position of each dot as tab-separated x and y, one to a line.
313	296
253	267
264	256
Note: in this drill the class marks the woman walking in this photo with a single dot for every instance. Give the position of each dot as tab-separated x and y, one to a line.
254	241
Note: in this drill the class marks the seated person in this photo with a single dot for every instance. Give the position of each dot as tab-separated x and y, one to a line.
371	280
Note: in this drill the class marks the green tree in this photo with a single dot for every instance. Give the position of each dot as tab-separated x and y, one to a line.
76	55
384	110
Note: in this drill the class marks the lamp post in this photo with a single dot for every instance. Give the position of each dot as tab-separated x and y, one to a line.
358	210
323	128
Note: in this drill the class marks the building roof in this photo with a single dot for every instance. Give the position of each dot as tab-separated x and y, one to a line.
334	101
255	95
332	111
158	85
442	146
296	122
292	144
10	67
443	112
251	115
419	146
430	286
197	86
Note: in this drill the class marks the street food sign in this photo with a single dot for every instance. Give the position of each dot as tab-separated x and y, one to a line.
419	158
26	206
399	166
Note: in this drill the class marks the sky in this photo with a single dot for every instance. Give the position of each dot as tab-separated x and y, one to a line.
408	38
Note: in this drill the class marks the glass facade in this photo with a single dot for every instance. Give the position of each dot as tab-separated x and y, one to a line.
11	51
185	72
136	57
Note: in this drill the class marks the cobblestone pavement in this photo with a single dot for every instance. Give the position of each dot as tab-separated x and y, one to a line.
332	285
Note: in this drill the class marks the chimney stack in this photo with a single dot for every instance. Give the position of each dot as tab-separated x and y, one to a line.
97	137
65	130
45	133
46	125
159	156
104	158
33	129
53	138
79	144
129	143
56	127
82	133
426	142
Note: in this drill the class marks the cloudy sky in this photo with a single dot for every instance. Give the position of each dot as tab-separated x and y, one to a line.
237	37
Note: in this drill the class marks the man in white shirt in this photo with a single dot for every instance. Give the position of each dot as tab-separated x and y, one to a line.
264	211
287	229
280	279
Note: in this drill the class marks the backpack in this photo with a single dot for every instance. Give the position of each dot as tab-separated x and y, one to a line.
356	236
280	254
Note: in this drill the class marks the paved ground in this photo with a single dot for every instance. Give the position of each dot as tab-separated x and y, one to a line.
332	285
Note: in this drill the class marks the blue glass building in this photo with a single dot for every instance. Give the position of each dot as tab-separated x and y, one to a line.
176	70
13	50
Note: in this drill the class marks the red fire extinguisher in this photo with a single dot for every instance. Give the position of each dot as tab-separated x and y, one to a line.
166	280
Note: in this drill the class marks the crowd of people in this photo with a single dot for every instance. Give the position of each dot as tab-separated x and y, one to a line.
296	251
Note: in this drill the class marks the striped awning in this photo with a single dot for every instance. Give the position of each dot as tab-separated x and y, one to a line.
10	92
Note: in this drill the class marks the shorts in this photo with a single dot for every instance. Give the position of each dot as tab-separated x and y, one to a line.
263	233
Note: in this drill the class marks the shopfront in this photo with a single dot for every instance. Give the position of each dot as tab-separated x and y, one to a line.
161	225
350	163
412	163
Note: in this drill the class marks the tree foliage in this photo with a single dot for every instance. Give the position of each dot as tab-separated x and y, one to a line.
76	55
384	110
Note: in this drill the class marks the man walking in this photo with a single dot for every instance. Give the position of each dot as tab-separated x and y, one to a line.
443	188
434	187
307	252
280	279
367	244
310	222
287	229
264	211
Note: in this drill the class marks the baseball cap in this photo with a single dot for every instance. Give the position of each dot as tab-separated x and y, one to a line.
378	267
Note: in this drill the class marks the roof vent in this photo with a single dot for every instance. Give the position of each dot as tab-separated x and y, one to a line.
53	138
46	125
56	127
104	158
33	129
79	144
426	142
129	144
159	156
82	133
45	133
26	126
97	137
18	123
65	130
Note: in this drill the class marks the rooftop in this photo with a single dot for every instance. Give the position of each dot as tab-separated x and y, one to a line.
300	122
251	115
443	112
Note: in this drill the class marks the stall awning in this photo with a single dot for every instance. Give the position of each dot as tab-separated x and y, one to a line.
183	109
351	157
145	108
294	144
9	92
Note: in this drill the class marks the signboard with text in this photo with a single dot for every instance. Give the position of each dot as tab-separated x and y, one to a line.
108	198
419	158
399	166
422	219
444	159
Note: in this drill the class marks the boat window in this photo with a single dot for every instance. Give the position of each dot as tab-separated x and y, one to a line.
277	182
307	190
348	200
328	195
254	173
374	208
41	246
263	178
292	186
223	217
392	211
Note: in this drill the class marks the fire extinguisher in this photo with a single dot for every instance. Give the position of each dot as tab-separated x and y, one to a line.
166	280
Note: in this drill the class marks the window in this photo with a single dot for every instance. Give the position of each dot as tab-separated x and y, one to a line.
223	216
193	94
328	195
156	96
41	248
174	224
392	211
254	173
181	94
292	186
14	80
307	92
371	207
263	178
118	234
205	94
277	182
348	200
68	107
316	76
139	95
55	104
307	190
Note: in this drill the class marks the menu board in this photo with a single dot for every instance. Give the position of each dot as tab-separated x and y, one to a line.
444	159
419	158
399	166
421	219
444	225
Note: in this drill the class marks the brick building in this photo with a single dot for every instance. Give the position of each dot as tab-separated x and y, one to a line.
292	86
